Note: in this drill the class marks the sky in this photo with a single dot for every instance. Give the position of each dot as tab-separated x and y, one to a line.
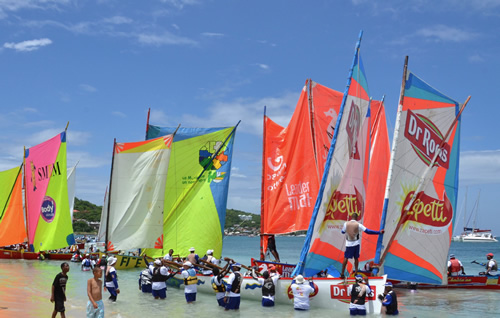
100	65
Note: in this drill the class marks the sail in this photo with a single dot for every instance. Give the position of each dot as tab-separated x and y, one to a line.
342	190
378	168
71	190
48	217
12	229
196	189
101	234
137	191
416	242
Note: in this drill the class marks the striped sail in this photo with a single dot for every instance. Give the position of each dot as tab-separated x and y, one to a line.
418	228
137	189
342	190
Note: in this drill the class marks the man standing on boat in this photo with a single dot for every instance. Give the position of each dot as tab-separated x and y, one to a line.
454	266
170	256
351	229
193	258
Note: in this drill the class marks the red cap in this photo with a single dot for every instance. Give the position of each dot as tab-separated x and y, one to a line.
489	254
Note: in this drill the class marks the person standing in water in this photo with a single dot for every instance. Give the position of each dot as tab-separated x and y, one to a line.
112	279
58	293
95	306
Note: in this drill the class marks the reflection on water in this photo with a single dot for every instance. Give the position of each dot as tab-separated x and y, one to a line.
26	285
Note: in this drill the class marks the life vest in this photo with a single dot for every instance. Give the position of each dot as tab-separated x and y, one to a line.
157	275
192	279
268	289
146	277
494	267
392	308
455	265
235	287
86	262
218	288
109	278
359	293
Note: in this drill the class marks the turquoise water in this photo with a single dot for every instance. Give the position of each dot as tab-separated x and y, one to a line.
26	285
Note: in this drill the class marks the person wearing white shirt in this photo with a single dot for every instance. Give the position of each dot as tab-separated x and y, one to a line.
301	292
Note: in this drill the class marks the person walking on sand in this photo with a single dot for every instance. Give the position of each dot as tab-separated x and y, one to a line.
58	293
95	306
112	279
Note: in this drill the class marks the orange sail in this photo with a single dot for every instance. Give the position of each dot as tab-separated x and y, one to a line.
379	166
12	229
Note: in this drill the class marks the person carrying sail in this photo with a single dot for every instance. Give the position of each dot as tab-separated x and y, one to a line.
351	229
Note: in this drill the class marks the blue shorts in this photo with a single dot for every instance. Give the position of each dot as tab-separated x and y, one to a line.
162	293
190	297
233	303
112	291
351	252
266	302
95	312
357	312
221	302
146	288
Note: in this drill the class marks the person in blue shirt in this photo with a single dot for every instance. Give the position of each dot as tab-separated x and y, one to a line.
389	300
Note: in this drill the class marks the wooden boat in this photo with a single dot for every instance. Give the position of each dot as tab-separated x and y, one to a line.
465	281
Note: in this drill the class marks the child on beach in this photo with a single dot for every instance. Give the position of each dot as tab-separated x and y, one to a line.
58	293
95	306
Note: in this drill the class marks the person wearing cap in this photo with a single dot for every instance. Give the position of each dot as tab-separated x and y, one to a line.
491	265
359	290
190	281
111	279
351	229
268	284
232	298
218	284
455	266
193	257
301	292
159	278
389	300
210	259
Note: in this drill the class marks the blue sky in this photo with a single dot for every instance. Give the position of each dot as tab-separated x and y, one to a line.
101	64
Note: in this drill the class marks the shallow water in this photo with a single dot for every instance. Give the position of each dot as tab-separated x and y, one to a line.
26	286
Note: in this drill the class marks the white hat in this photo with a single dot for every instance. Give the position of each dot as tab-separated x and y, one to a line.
187	263
191	249
111	260
157	262
210	252
299	279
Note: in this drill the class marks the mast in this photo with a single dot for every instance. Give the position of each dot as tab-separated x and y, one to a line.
26	201
313	126
263	237
109	198
147	123
299	269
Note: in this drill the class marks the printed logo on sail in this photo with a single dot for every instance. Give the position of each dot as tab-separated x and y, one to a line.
428	210
426	138
343	205
48	209
213	163
352	128
277	176
298	195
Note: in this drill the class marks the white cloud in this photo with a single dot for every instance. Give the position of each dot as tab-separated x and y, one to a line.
88	88
27	46
118	20
476	58
480	167
175	26
118	114
166	38
446	34
262	66
213	35
180	4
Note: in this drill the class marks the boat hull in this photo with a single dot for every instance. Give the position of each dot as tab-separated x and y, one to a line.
465	281
332	292
9	254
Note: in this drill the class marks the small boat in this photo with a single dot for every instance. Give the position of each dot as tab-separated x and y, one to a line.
478	235
465	281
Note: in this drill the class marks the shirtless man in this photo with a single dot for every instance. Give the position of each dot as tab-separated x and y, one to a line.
95	306
351	229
